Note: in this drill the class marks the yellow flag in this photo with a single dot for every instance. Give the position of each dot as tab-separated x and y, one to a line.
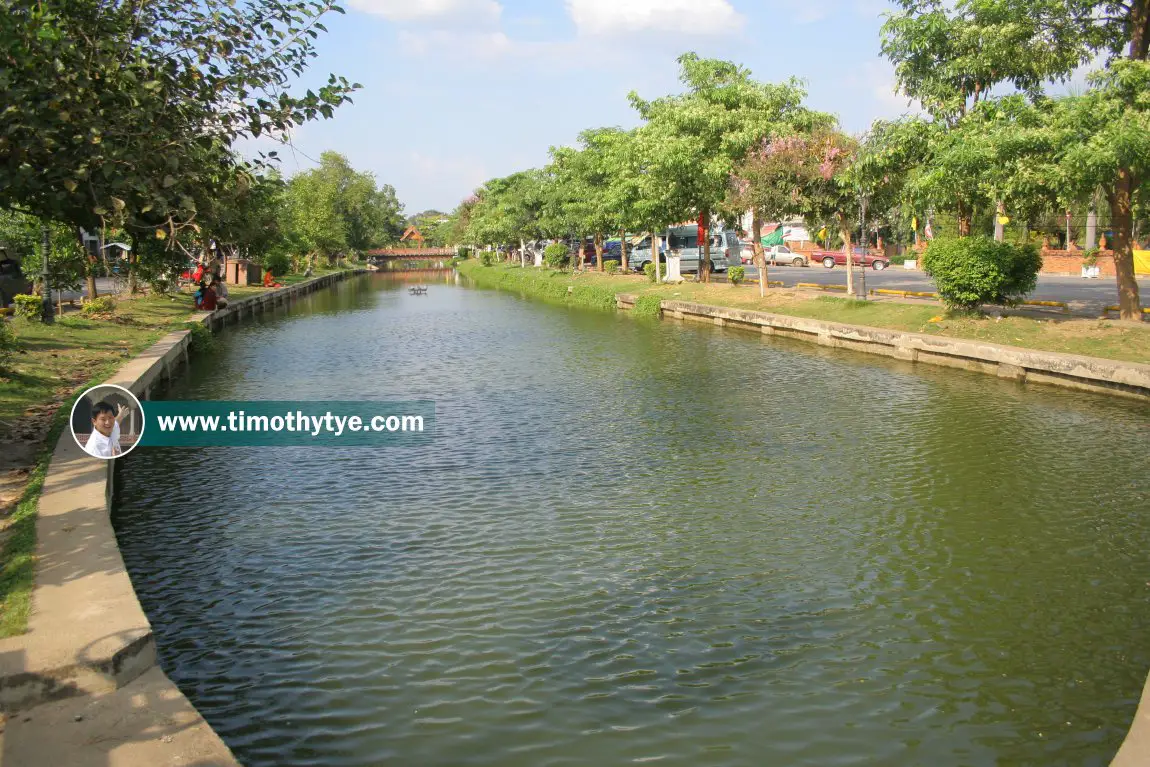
822	235
914	223
1004	220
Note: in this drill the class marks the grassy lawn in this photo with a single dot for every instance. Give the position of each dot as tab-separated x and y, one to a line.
1091	337
56	362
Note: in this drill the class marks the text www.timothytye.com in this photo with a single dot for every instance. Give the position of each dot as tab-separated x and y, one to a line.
294	423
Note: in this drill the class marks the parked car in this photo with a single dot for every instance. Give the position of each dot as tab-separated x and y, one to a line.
725	250
784	256
12	281
832	258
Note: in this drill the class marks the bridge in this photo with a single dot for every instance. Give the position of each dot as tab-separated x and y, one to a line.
411	259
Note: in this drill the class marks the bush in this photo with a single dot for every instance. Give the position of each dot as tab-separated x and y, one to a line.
487	258
736	274
611	266
1090	257
8	344
971	271
29	307
202	339
99	305
556	255
160	286
648	306
277	263
649	270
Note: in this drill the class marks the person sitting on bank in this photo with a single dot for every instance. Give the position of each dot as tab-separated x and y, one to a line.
269	282
104	441
220	288
205	298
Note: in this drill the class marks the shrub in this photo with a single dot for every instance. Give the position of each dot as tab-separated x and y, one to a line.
611	266
487	258
556	255
277	263
971	271
648	306
202	339
649	270
1090	257
464	252
736	274
8	344
161	286
99	305
29	307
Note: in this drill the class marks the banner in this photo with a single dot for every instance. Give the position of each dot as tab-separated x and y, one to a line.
1142	262
274	423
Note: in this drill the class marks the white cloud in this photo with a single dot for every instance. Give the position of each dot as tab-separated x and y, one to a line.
439	12
615	17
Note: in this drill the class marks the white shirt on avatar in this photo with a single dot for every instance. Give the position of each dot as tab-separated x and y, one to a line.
104	447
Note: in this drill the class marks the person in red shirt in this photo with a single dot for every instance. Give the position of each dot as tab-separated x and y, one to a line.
269	282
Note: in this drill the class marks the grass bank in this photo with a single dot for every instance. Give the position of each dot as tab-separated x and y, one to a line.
54	365
1090	337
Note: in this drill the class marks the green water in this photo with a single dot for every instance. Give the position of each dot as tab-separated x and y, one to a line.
636	541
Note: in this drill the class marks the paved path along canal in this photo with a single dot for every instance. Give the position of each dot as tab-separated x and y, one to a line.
634	540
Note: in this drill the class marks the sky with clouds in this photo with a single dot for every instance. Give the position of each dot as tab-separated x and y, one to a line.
459	91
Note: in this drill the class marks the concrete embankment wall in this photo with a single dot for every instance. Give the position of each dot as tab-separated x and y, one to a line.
88	642
1126	379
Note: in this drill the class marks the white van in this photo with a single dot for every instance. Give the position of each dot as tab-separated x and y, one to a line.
726	251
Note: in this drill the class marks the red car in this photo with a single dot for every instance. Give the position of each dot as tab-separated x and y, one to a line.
831	258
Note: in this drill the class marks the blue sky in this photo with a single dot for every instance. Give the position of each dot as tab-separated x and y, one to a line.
459	91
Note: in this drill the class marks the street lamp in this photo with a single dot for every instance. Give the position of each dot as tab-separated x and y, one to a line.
48	315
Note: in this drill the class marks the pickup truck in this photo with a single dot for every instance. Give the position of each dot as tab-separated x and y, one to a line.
831	258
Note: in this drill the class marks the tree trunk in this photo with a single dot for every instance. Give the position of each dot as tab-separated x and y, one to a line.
623	265
522	254
760	256
1122	219
89	270
964	217
598	251
1091	227
705	261
1139	29
845	233
133	261
582	257
999	229
655	252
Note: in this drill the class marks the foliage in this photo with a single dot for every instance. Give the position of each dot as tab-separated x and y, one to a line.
649	270
611	267
30	308
556	287
736	274
556	255
98	306
648	306
201	341
972	271
125	113
8	344
278	263
1090	257
487	258
333	208
507	210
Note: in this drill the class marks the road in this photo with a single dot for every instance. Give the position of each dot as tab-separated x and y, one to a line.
1082	295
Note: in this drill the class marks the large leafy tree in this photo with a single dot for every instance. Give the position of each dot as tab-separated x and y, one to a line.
966	48
124	112
708	129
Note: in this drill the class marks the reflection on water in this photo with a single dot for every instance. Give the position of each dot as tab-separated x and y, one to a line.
633	541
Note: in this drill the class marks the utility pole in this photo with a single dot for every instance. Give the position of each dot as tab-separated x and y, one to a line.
861	294
48	313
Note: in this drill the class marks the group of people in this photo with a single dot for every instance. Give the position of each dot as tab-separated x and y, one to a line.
211	295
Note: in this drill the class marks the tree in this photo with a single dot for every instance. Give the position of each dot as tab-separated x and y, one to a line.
936	45
709	129
117	112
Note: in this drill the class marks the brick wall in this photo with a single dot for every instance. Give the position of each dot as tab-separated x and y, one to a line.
1070	262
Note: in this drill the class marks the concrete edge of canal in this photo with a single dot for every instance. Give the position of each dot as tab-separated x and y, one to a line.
81	686
1113	377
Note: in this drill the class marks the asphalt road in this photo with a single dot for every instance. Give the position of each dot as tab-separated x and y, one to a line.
1082	295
